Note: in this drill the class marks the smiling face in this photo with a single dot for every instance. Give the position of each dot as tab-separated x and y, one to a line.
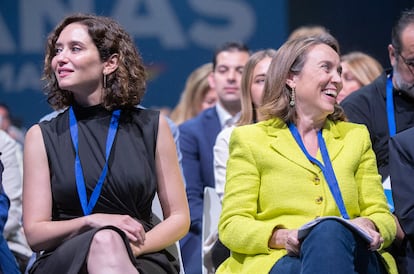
319	83
77	64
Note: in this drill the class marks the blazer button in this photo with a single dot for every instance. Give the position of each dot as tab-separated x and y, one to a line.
317	181
319	200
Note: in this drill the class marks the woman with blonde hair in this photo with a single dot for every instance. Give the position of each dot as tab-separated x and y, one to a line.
358	70
252	83
302	161
197	95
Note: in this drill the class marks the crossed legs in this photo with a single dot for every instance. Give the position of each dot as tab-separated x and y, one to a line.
107	254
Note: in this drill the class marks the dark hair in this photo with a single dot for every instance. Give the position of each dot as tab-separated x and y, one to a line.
290	58
406	18
125	87
228	46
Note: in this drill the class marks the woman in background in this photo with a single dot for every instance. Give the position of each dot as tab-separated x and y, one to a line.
252	83
196	96
358	70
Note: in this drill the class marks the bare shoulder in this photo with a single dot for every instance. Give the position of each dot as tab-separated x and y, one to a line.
163	121
163	127
34	131
34	144
33	135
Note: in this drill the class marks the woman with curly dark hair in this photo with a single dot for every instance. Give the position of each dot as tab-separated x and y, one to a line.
91	173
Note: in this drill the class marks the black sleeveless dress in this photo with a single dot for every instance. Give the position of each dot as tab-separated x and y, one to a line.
129	187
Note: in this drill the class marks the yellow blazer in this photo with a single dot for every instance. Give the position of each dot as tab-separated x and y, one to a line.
271	184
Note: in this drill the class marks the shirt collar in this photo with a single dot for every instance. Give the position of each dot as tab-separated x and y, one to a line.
224	115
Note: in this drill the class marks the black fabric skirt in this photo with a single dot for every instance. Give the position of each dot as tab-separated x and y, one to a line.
70	257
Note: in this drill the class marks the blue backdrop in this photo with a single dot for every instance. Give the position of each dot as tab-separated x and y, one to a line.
173	37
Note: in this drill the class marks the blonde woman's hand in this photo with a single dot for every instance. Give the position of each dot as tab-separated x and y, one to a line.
292	243
368	226
285	238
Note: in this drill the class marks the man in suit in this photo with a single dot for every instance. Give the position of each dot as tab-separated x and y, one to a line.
197	138
401	149
386	106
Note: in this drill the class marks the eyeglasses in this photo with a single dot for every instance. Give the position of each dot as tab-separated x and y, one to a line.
409	63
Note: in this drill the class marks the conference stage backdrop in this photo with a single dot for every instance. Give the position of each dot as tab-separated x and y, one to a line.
174	37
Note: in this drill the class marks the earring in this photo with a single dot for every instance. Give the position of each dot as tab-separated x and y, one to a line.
104	80
292	97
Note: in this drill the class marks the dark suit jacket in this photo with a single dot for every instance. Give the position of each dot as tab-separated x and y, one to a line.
197	139
368	106
401	156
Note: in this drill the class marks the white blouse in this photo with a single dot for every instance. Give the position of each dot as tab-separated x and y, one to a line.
221	155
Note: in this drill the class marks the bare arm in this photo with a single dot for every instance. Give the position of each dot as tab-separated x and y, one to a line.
172	196
40	231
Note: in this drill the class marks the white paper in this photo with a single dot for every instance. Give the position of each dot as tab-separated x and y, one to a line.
306	228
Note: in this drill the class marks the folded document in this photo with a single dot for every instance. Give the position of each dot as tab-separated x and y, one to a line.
306	228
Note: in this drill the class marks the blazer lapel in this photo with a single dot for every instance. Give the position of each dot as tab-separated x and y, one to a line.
211	125
284	144
332	139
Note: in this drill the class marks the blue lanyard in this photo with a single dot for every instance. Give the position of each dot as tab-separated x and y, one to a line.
392	131
80	181
390	108
327	169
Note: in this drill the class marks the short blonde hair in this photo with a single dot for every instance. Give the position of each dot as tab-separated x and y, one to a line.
364	67
196	88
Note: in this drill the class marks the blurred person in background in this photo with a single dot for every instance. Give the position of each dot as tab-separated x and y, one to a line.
358	69
6	124
8	264
386	107
307	31
196	96
197	138
13	184
252	83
